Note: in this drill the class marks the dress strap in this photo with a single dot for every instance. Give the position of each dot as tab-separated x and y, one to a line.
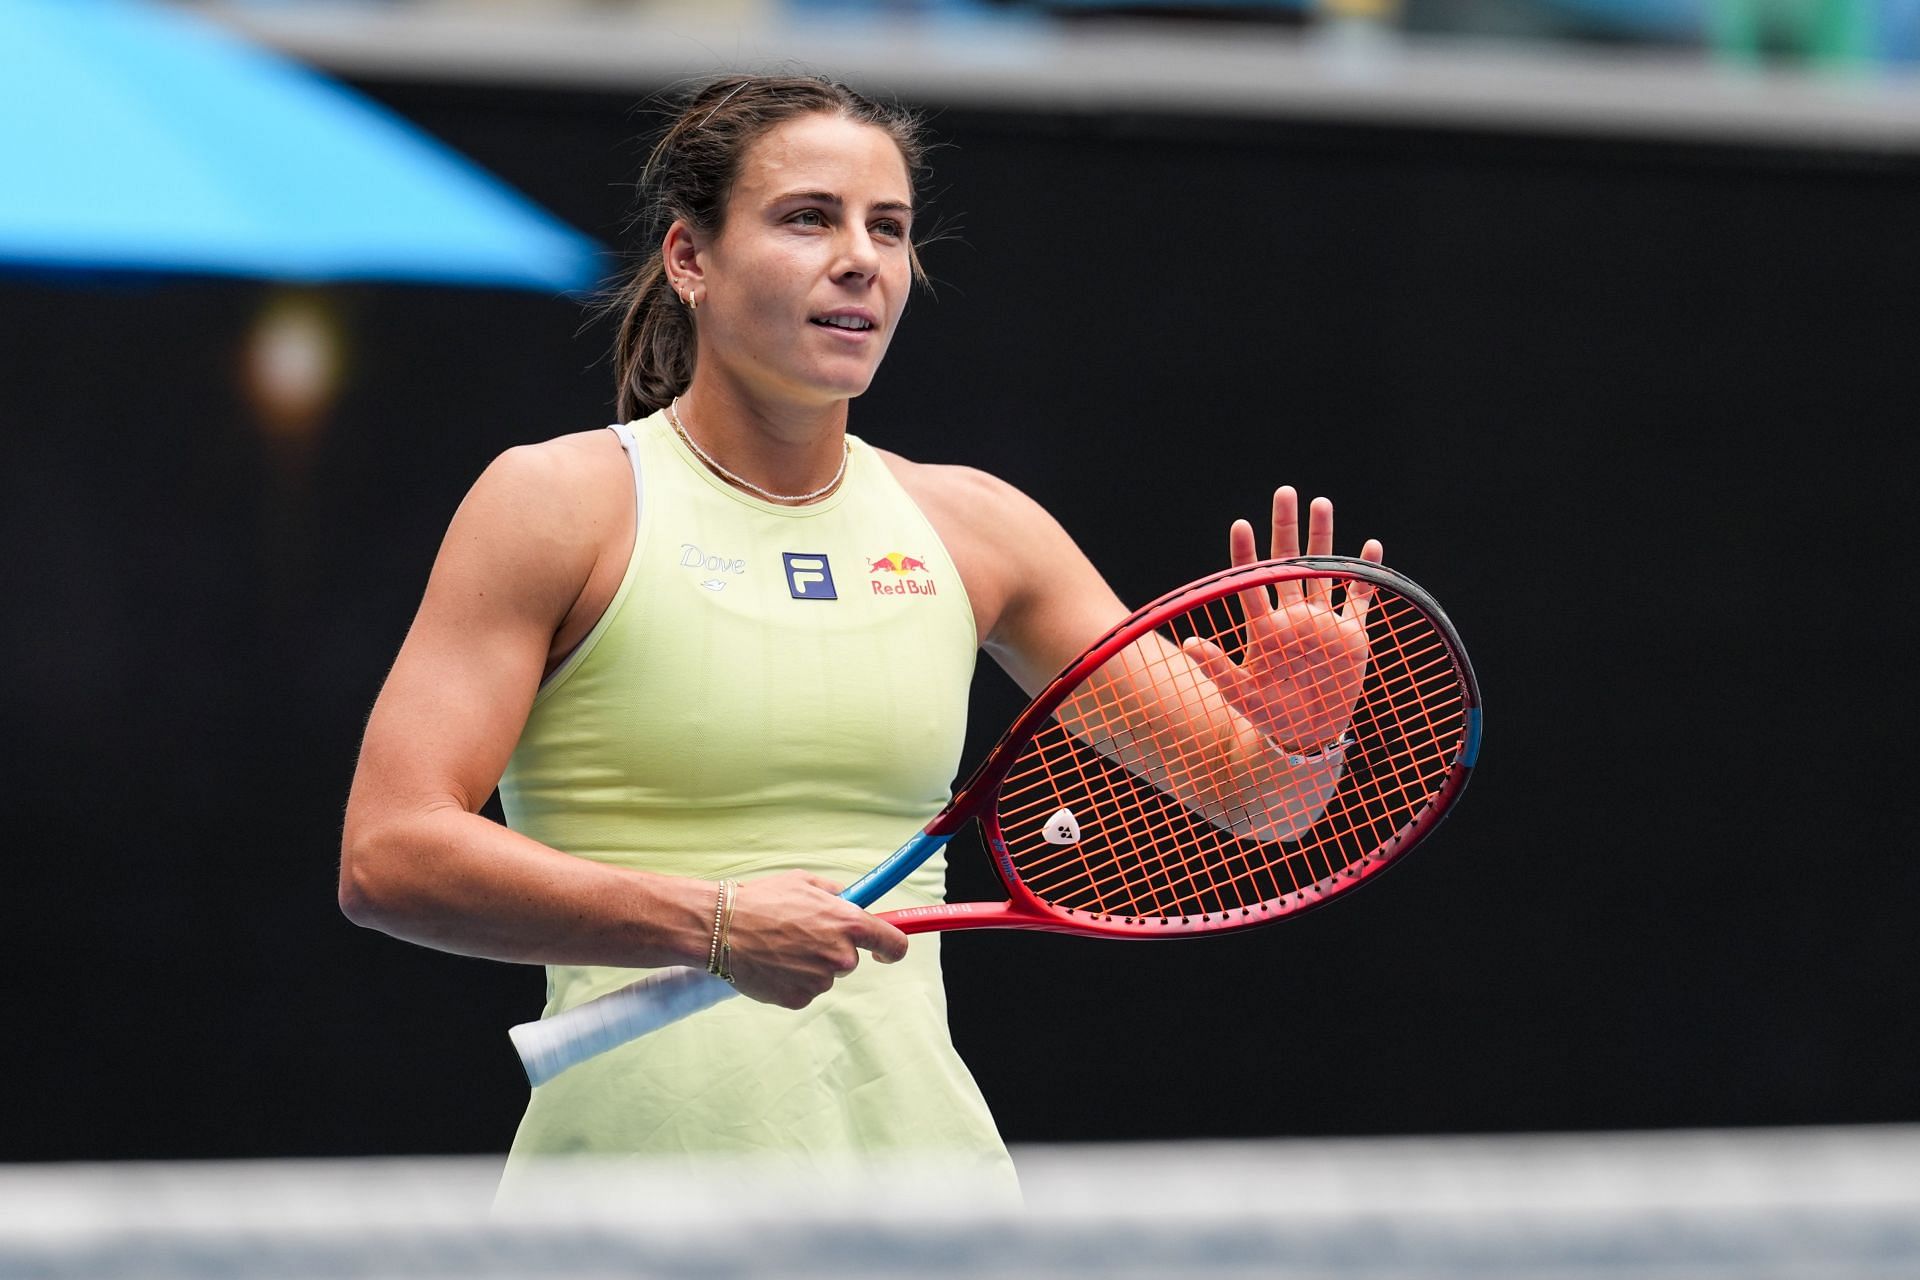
631	444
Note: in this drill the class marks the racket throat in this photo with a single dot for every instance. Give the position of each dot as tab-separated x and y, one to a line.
874	885
973	915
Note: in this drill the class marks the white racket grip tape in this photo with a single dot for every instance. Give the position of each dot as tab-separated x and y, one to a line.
551	1045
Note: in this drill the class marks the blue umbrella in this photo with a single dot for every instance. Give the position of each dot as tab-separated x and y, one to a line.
134	137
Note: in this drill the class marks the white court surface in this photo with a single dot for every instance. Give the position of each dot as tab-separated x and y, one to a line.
1815	1202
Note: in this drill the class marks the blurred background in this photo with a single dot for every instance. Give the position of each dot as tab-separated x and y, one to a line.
1601	313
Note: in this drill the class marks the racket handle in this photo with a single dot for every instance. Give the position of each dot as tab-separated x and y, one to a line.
551	1045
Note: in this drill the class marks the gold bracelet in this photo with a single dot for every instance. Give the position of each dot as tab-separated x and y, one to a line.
726	931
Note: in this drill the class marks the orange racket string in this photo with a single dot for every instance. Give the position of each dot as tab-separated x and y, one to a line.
1087	784
1099	706
1146	854
1108	720
1162	868
1172	867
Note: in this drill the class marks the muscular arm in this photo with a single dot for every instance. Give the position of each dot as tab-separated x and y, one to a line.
1152	709
417	859
1041	603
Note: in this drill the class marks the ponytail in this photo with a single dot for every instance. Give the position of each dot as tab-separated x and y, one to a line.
653	351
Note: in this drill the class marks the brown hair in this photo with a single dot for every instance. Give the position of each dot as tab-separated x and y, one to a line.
689	176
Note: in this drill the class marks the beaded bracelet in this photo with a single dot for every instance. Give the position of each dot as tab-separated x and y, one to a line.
720	950
726	932
1324	752
713	947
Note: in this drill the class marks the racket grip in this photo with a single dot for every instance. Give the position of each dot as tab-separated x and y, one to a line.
551	1045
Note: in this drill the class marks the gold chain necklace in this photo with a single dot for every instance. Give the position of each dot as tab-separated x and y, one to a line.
846	451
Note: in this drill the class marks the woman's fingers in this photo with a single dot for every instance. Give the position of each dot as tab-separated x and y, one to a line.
887	943
1267	614
1286	523
1286	537
1320	527
793	937
1360	594
1319	543
1216	666
1241	551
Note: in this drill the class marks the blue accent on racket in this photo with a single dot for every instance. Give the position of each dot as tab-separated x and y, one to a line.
869	889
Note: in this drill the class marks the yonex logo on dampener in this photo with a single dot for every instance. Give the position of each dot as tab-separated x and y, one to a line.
1061	828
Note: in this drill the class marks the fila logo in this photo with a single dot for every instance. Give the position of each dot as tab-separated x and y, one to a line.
809	576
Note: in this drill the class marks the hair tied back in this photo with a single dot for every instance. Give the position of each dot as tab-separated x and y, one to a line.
723	102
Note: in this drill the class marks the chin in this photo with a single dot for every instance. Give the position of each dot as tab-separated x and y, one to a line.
846	388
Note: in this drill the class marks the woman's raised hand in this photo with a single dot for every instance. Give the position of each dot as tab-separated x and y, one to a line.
1304	661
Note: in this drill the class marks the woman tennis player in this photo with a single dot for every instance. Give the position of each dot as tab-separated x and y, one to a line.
727	642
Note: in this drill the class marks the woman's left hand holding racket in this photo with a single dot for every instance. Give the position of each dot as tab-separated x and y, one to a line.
792	936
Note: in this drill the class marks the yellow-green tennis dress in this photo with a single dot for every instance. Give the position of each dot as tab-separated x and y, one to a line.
771	688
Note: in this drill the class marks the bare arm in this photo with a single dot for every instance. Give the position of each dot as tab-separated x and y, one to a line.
418	861
1041	603
1153	709
1253	743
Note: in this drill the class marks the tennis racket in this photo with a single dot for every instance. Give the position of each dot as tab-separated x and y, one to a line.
1243	749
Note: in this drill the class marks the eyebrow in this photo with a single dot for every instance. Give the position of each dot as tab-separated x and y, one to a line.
828	197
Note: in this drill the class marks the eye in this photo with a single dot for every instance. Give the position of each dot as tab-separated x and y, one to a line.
889	227
809	218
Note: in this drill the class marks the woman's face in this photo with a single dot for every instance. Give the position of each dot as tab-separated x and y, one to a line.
802	288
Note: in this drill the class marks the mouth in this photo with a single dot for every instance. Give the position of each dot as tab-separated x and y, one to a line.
851	322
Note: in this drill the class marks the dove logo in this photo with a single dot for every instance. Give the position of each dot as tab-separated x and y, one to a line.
1061	828
692	557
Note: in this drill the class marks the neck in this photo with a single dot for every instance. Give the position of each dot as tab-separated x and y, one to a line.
788	450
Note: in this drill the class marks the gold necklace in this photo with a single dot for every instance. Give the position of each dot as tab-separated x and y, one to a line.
846	451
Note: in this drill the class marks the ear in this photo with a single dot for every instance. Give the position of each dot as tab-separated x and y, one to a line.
682	253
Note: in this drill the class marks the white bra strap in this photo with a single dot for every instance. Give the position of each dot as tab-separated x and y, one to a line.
624	430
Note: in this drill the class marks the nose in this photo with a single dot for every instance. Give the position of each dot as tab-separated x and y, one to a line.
858	258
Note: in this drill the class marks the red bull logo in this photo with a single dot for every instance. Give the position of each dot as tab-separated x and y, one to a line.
899	580
894	562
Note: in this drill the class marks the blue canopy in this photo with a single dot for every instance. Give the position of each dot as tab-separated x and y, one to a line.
134	137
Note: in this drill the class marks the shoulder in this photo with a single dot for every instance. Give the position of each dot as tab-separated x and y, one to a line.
545	513
566	469
1037	599
972	502
570	483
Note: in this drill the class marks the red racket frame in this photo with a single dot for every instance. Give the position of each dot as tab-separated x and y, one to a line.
977	799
